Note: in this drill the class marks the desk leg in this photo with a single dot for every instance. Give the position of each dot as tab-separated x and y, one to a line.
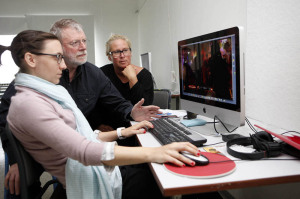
177	103
176	197
176	99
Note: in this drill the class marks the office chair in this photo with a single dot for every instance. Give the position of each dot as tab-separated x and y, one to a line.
29	170
5	172
3	88
162	98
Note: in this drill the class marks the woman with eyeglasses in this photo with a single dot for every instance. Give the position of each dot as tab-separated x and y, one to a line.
133	82
47	122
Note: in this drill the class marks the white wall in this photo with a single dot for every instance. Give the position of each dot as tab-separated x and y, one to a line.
162	23
272	63
109	16
272	48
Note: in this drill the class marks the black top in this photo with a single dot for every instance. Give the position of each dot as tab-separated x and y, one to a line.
90	89
142	89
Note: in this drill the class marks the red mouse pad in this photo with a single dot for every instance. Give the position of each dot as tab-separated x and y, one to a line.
218	166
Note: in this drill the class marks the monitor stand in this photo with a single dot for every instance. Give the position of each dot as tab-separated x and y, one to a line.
208	128
190	115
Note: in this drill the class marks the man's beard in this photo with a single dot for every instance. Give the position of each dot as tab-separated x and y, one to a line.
73	61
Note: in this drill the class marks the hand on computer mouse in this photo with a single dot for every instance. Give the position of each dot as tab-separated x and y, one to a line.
199	160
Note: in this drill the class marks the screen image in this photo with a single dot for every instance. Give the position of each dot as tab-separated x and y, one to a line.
211	73
208	70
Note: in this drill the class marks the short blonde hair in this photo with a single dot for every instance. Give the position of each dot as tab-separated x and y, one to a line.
114	37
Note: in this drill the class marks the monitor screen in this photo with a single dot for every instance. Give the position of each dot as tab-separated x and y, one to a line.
212	75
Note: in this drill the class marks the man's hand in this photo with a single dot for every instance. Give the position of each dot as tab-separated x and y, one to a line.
12	180
140	113
105	128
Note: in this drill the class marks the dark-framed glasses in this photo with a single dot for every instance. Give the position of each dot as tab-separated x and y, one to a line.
59	57
117	53
77	43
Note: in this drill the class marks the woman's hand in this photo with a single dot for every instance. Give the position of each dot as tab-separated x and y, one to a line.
167	153
138	128
130	72
171	153
128	132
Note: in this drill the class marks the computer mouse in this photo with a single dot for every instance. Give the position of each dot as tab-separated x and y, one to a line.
199	160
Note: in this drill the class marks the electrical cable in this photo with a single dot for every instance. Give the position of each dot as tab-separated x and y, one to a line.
250	125
246	119
254	160
290	132
222	124
186	118
212	144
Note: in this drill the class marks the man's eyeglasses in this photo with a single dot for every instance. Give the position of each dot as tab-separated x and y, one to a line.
59	57
77	43
118	53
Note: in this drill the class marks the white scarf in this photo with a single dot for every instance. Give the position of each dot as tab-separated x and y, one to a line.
82	181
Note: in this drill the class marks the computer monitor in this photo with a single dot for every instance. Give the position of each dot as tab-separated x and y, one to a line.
146	60
211	70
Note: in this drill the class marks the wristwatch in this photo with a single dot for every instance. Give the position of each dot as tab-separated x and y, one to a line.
119	133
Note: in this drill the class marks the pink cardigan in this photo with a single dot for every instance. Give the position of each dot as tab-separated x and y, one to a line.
47	132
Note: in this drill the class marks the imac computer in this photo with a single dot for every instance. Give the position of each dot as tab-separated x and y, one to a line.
211	70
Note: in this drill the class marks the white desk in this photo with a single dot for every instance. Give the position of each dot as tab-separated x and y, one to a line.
246	174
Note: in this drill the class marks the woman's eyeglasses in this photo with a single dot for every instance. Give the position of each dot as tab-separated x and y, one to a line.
59	57
118	53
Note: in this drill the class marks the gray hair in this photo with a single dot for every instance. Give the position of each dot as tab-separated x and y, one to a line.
58	26
114	37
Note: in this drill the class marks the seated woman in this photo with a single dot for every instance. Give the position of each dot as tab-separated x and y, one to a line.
133	82
47	122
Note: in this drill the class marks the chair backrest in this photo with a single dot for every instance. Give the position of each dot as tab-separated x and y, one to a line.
29	170
3	87
162	98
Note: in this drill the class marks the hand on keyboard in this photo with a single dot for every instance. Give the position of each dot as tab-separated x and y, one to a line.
138	128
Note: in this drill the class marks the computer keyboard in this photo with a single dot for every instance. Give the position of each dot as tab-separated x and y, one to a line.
168	130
